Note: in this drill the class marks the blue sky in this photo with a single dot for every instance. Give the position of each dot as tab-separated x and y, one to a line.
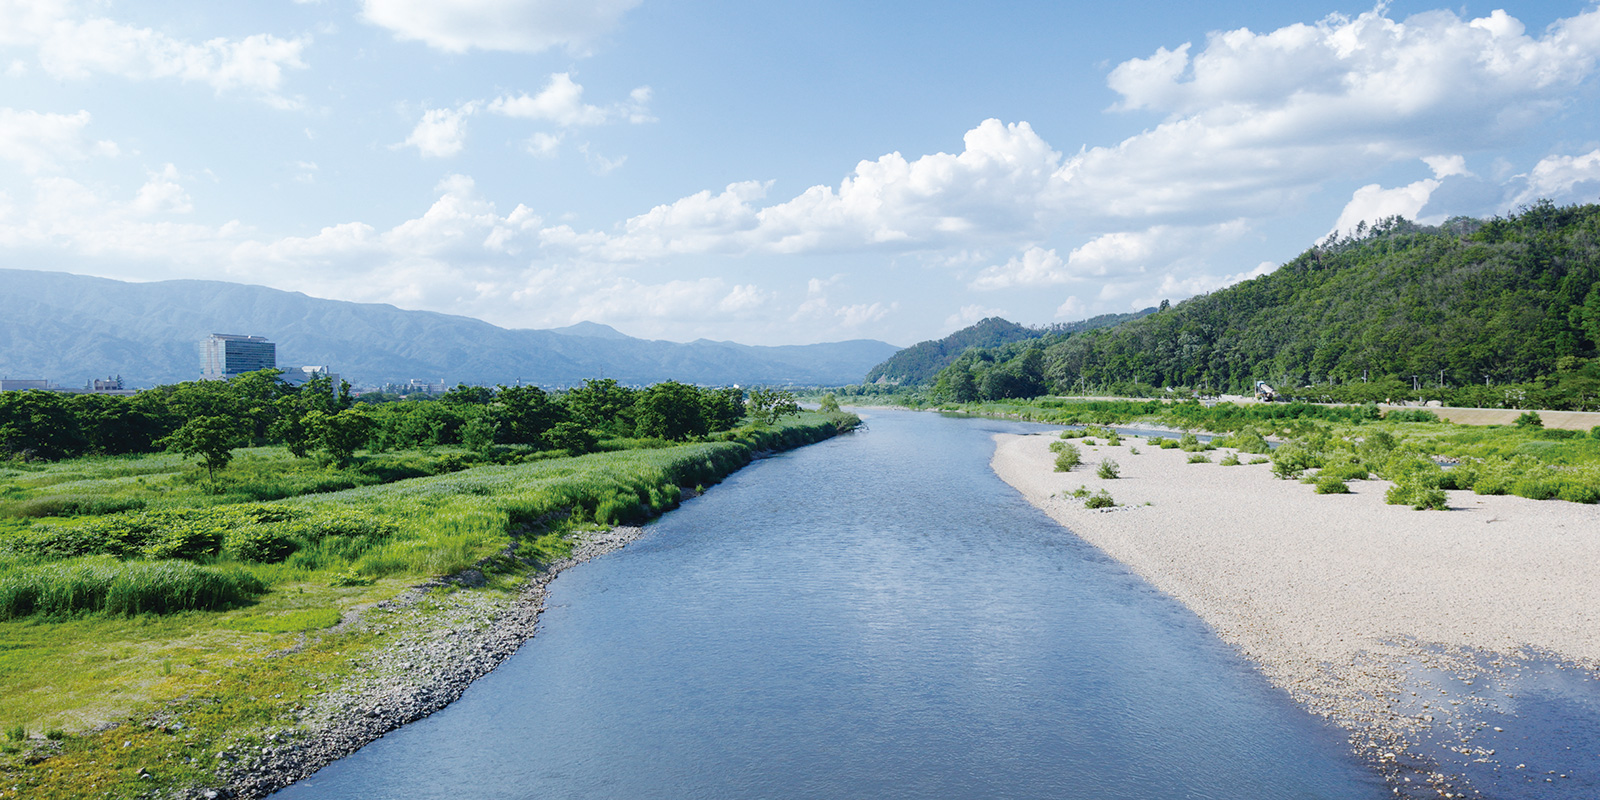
770	173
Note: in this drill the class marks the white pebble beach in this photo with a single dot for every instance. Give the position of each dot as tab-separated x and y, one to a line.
1333	595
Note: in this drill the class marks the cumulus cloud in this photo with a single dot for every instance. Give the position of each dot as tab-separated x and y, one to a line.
1372	202
1115	253
970	314
72	45
441	132
37	142
561	102
527	26
1563	179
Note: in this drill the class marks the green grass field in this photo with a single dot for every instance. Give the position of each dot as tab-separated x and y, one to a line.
149	588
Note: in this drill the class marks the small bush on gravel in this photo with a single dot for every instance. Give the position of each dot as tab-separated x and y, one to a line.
1168	444
1189	443
1417	495
1159	441
1133	451
1331	484
1292	460
1068	458
1113	439
1259	460
1199	458
1246	440
1108	470
1101	499
1080	492
1230	460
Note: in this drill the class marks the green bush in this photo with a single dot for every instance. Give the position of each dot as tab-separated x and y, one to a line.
1166	444
1331	484
1594	433
1245	440
1067	458
1529	419
1417	495
1113	440
1159	441
1189	443
1056	447
1345	470
1230	460
1292	460
1199	458
268	544
1108	469
1101	499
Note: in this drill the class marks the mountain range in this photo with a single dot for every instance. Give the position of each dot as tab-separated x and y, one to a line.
70	328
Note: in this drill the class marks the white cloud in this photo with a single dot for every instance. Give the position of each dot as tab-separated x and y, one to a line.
162	194
1447	166
970	314
1116	253
1034	267
74	46
1563	179
1372	202
38	142
544	145
441	132
561	102
528	26
1072	309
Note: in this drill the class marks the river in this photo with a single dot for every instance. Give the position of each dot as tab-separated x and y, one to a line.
877	615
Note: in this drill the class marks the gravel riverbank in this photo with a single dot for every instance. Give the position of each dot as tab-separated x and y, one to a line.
439	643
1413	631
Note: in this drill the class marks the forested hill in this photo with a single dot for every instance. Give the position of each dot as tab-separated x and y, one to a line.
69	328
1506	300
921	362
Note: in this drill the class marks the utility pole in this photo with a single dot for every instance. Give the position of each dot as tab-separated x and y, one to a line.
1414	386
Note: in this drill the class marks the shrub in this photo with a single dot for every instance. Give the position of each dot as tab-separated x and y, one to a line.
16	733
1245	440
1345	471
1199	458
1230	460
1189	443
1159	441
1068	458
1108	470
1529	419
1594	433
1411	415
1259	460
1113	440
1167	444
1417	495
1574	491
1293	459
1056	447
268	544
1101	499
1133	451
1331	484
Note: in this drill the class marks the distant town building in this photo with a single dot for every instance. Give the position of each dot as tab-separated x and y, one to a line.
224	355
15	385
299	375
425	386
107	385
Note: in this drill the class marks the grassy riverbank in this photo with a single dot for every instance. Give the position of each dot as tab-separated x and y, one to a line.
179	688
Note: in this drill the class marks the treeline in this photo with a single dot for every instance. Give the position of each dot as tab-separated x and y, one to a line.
209	418
920	363
1503	312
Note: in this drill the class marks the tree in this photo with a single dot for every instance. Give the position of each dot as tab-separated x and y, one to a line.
571	437
340	434
724	408
829	404
770	405
670	410
603	404
526	413
210	438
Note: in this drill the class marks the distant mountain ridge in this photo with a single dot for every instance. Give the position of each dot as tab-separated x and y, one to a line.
921	362
69	328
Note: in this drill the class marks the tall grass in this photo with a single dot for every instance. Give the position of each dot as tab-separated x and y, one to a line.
121	588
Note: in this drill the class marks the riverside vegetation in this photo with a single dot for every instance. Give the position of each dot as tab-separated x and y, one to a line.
159	617
1329	445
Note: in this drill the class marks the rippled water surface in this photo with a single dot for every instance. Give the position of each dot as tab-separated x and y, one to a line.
873	616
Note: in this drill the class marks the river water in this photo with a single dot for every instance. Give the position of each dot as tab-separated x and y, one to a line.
874	616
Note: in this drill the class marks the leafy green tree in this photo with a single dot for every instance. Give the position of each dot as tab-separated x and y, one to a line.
670	410
724	408
481	430
39	424
571	437
338	435
603	405
767	406
210	438
526	413
829	404
465	395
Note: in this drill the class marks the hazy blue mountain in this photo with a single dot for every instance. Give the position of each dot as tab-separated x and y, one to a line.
69	328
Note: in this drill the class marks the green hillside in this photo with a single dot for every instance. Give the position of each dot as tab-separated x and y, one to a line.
1459	310
921	362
